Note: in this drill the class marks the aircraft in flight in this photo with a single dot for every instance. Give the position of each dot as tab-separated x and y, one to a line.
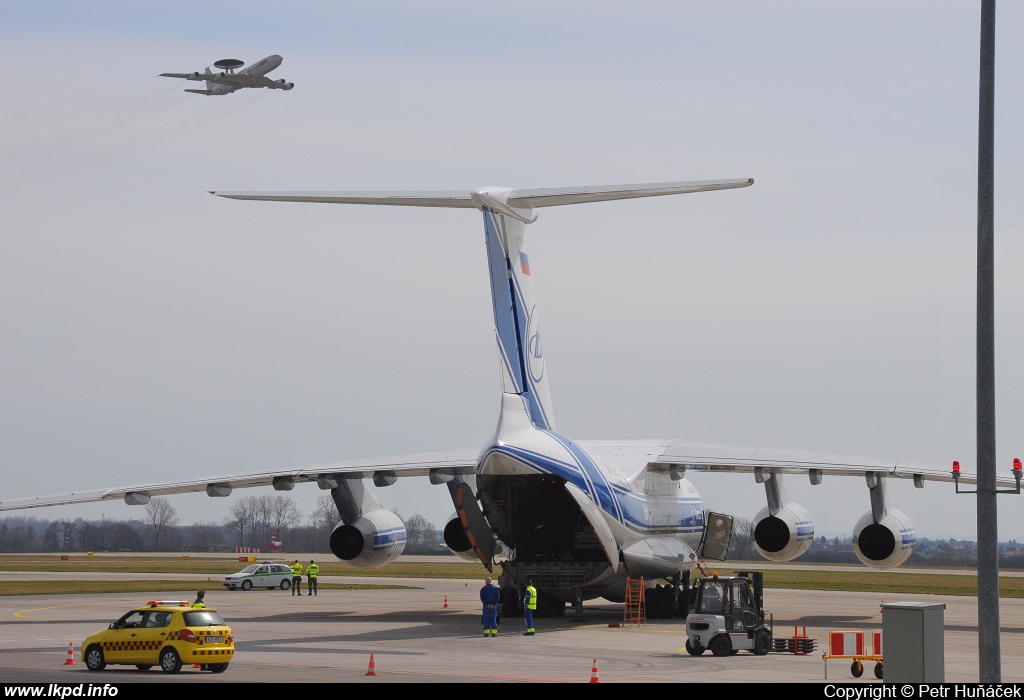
577	517
230	79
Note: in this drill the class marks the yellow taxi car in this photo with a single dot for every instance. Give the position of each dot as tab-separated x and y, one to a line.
164	633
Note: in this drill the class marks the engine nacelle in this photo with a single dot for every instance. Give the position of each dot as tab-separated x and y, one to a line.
375	539
785	535
194	76
885	544
288	86
279	83
456	540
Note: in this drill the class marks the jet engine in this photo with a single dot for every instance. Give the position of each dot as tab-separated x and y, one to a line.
288	86
785	535
194	76
374	539
455	539
885	544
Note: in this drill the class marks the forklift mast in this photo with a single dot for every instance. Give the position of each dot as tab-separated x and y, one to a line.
757	581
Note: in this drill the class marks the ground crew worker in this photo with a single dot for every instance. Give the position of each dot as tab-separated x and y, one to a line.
490	596
311	571
296	568
529	605
198	603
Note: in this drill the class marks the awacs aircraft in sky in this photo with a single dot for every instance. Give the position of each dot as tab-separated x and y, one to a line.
228	79
576	516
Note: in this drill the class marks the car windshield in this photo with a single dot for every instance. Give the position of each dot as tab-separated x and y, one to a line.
204	618
249	569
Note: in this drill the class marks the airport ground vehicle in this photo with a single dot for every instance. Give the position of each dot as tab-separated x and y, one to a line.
266	575
166	634
727	615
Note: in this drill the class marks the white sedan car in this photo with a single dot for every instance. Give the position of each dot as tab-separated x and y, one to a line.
266	575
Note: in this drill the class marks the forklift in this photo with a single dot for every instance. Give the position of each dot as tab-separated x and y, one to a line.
727	615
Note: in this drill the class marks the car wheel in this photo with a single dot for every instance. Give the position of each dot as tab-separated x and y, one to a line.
285	585
218	668
143	667
762	642
694	650
94	660
169	661
246	585
720	645
857	669
270	588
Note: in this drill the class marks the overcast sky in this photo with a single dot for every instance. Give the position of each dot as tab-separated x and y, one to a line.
151	331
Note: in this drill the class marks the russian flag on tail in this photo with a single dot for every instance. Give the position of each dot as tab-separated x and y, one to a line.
524	263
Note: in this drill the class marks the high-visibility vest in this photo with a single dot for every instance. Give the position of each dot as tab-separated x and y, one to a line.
296	569
312	570
197	604
531	597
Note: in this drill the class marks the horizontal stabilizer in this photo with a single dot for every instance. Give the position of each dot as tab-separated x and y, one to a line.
549	197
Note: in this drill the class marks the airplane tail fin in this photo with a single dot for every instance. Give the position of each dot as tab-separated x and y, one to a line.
516	322
506	213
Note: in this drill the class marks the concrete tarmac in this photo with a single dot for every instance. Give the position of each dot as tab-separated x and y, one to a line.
329	638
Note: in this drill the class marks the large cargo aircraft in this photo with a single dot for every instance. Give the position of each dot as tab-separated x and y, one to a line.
577	517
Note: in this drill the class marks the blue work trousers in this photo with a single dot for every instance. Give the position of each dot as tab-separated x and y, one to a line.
491	617
528	616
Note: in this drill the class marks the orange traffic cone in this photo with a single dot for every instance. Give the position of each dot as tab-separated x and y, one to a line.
70	661
199	666
593	673
445	602
371	669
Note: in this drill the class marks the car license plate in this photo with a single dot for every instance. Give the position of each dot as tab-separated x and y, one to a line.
215	640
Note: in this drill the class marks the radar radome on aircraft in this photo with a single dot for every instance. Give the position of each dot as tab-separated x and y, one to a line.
230	78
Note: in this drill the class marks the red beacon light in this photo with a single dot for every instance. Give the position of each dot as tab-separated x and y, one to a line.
956	469
1017	467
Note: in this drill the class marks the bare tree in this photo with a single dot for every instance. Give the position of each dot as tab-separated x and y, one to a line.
741	546
161	517
202	536
421	536
326	515
283	514
240	517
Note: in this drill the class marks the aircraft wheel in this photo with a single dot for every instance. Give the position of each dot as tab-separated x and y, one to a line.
94	660
285	585
762	642
878	670
694	650
857	668
720	645
246	585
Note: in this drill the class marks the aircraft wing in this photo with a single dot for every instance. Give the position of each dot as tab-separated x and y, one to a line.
710	457
463	199
437	463
186	76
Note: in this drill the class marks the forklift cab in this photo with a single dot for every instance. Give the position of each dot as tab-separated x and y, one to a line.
728	615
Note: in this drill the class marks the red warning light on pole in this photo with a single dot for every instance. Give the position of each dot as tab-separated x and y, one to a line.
956	468
1016	465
